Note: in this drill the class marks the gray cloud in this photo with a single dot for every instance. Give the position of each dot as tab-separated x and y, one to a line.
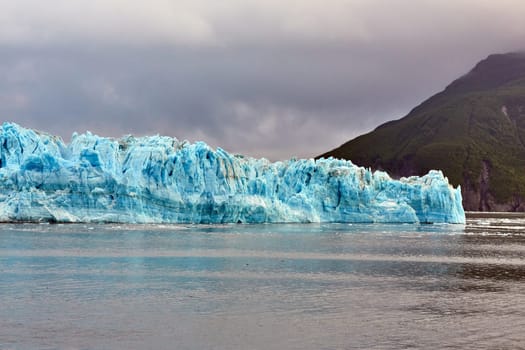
264	78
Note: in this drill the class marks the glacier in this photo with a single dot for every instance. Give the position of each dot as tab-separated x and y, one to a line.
159	179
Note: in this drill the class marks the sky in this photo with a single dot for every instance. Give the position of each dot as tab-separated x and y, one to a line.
275	79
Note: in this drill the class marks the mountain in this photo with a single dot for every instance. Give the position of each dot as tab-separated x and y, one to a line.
474	131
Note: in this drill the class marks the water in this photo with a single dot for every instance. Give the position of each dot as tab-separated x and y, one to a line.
264	286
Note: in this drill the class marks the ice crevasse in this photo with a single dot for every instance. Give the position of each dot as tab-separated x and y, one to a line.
159	179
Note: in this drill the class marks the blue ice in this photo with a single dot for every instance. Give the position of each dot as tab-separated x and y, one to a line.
159	179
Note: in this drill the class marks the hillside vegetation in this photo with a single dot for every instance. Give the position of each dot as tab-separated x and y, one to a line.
474	131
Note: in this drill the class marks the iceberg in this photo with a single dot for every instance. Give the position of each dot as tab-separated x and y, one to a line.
159	179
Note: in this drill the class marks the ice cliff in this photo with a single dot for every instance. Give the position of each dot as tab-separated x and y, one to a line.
161	180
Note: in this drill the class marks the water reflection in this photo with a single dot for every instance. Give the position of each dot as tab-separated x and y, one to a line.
263	286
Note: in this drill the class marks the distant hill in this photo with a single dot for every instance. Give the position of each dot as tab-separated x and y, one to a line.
474	131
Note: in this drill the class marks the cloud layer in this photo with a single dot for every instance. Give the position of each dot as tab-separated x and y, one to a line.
264	78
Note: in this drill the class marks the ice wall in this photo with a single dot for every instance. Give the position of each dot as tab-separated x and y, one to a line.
161	180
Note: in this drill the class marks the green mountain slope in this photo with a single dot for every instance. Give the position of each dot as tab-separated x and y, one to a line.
474	131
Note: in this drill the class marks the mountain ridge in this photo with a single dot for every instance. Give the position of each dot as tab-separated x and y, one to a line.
473	130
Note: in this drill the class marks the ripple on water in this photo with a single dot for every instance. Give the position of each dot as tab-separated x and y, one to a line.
264	286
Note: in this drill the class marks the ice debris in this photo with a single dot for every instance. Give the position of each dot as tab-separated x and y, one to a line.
158	179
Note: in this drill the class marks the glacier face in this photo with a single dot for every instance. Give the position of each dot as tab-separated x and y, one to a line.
162	180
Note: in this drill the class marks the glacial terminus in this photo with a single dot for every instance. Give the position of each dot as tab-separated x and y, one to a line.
159	179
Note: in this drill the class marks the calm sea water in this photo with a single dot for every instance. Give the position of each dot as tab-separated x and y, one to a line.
264	286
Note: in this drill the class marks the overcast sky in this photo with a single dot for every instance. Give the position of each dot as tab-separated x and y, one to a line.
266	78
